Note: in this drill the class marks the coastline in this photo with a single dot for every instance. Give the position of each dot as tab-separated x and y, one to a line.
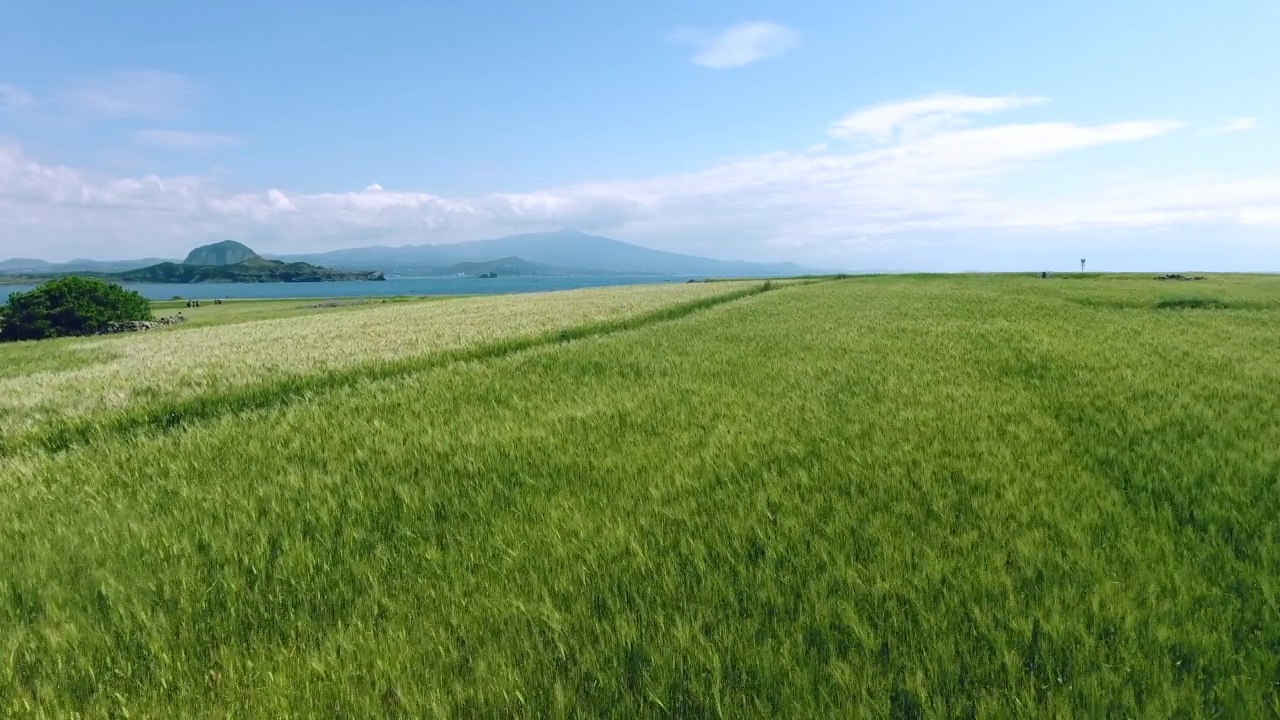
391	287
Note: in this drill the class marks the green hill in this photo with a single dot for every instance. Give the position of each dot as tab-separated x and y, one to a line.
227	252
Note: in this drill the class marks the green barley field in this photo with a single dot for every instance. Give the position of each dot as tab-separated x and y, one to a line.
893	497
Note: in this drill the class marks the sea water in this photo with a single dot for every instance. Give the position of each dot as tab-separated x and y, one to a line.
389	287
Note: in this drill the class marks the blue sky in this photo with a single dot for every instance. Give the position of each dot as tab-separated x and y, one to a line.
943	136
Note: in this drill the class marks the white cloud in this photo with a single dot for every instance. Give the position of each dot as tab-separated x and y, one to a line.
183	139
913	118
740	44
138	94
1262	215
817	204
1235	125
12	96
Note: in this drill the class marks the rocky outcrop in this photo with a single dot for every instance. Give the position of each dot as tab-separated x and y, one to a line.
227	252
1173	276
139	325
336	303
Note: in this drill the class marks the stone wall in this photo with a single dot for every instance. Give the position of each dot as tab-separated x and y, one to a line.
138	325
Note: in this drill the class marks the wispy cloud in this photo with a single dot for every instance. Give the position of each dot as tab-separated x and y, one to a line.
738	45
1262	216
137	94
915	118
1235	125
12	96
815	203
183	139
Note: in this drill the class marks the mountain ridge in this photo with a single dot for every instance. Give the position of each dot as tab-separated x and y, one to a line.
565	252
573	251
27	265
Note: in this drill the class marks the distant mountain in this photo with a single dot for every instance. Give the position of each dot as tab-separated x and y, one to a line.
567	252
227	261
26	266
567	249
227	252
23	265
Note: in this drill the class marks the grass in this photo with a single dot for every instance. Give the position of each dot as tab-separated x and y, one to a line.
238	311
885	497
156	368
18	359
1192	303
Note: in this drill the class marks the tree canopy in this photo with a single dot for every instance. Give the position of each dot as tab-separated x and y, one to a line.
70	306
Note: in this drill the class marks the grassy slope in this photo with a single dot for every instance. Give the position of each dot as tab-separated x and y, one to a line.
967	495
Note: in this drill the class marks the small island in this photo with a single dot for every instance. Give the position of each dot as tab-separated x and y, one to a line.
506	267
223	262
232	262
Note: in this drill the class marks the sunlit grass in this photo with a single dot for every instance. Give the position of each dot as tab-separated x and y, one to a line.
885	497
95	375
237	311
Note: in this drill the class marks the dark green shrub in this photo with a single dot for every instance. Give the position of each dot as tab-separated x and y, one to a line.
69	306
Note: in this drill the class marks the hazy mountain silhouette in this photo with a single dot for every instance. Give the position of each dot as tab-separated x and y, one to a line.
569	250
30	265
550	253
